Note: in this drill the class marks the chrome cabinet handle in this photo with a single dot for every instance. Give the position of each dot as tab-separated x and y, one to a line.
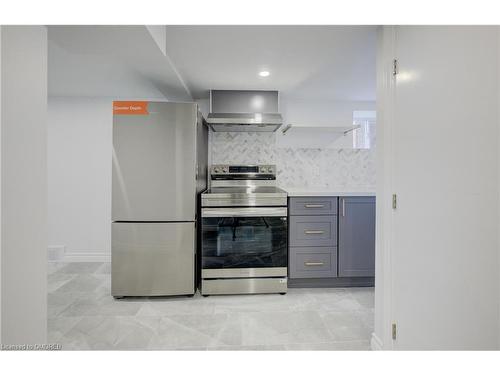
314	231
314	205
343	207
314	263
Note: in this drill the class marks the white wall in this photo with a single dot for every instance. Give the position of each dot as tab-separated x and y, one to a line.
23	184
319	111
79	176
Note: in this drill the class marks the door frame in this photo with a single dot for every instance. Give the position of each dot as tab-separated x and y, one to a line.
386	52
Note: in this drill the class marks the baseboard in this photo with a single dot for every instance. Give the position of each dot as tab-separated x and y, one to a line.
376	343
332	282
59	253
55	253
87	257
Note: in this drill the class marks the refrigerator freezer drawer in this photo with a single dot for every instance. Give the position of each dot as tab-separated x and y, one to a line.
152	259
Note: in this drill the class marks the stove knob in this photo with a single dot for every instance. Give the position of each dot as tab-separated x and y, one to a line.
224	170
269	170
263	170
216	170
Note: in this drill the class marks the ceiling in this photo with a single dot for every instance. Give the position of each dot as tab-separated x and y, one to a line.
324	62
330	62
112	61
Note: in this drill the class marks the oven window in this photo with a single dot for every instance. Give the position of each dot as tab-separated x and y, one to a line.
244	242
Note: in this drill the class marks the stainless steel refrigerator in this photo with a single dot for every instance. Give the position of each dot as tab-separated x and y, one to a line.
159	169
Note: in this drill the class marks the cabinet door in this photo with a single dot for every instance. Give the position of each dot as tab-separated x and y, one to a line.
356	236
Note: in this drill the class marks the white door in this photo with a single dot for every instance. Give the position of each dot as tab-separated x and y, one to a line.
444	254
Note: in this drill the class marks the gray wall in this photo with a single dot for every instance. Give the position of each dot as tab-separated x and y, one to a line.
23	184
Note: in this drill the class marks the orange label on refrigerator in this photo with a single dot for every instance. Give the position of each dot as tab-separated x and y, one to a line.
130	108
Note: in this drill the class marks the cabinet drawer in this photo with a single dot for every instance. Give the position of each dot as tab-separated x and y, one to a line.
313	206
311	262
313	230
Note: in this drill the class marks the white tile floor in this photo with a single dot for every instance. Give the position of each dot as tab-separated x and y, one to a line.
83	315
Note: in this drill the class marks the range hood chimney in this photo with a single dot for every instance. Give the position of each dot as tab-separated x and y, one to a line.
244	111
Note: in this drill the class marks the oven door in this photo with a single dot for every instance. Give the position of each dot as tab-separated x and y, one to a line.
246	237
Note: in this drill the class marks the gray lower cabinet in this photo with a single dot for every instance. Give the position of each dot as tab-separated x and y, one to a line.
356	237
313	237
332	238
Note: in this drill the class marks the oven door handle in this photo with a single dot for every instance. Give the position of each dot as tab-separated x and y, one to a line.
244	212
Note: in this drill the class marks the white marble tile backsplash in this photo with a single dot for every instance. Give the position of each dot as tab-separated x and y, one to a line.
343	170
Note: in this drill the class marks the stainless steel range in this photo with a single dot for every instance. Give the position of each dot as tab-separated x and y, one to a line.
244	231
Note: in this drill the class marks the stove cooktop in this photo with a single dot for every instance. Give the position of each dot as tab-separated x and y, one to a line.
245	190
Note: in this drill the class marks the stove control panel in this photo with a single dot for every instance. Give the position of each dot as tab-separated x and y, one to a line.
247	171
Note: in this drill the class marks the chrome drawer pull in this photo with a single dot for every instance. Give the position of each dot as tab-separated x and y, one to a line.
314	263
314	231
314	205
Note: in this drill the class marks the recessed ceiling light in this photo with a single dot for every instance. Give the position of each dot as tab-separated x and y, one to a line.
264	73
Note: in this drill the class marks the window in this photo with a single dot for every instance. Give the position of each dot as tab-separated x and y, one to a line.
364	135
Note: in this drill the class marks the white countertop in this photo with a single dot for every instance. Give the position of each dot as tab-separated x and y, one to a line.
311	192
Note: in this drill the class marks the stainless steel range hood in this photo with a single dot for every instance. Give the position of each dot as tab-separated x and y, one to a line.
244	122
244	111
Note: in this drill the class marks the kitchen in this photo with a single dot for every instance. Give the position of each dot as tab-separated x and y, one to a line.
310	168
136	215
